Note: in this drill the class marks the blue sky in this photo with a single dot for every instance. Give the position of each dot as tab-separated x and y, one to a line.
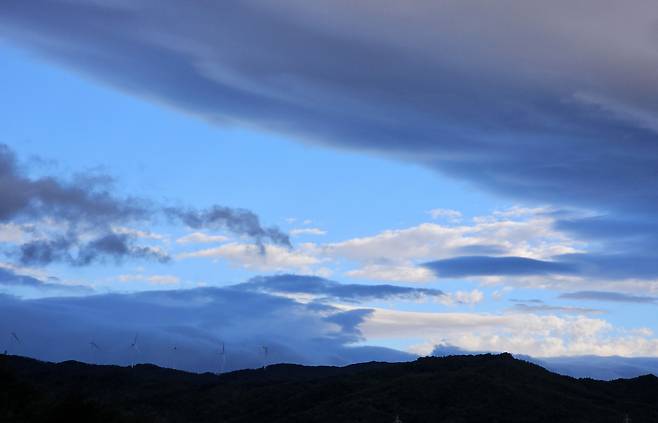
523	205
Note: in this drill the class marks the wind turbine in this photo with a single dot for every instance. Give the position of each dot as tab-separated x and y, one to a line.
95	349
174	357
15	340
222	362
135	350
265	353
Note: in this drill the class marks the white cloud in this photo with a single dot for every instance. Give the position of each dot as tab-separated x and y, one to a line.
472	297
274	258
307	231
394	273
394	255
151	279
137	233
533	237
200	238
537	335
12	233
449	214
499	294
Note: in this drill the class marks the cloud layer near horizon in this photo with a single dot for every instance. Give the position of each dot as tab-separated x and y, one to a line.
186	328
195	322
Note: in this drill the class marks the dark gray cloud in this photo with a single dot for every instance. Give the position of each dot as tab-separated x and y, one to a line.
465	266
609	297
321	287
88	208
609	227
24	285
594	265
237	221
473	89
85	199
612	265
195	321
69	249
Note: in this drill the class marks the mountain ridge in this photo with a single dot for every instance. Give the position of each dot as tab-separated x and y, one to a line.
476	388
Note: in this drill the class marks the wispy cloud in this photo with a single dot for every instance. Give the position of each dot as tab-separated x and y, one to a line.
82	221
615	297
328	289
201	238
307	231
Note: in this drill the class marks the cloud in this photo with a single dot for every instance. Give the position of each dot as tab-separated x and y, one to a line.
521	246
538	306
258	312
465	266
87	198
200	238
598	267
30	286
265	257
307	231
472	297
516	118
139	233
323	288
609	297
151	279
195	321
531	236
539	335
449	214
79	206
82	221
108	246
237	221
12	233
392	273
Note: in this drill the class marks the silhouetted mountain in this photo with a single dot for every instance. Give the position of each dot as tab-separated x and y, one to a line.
481	388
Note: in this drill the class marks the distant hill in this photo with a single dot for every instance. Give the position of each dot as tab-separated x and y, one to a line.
480	388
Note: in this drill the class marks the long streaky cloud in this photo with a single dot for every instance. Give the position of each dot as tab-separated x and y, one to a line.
447	84
495	266
324	288
616	297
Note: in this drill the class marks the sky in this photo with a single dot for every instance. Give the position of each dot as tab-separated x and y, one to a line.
338	182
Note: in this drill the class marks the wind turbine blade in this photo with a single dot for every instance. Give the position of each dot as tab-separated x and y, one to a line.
13	334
